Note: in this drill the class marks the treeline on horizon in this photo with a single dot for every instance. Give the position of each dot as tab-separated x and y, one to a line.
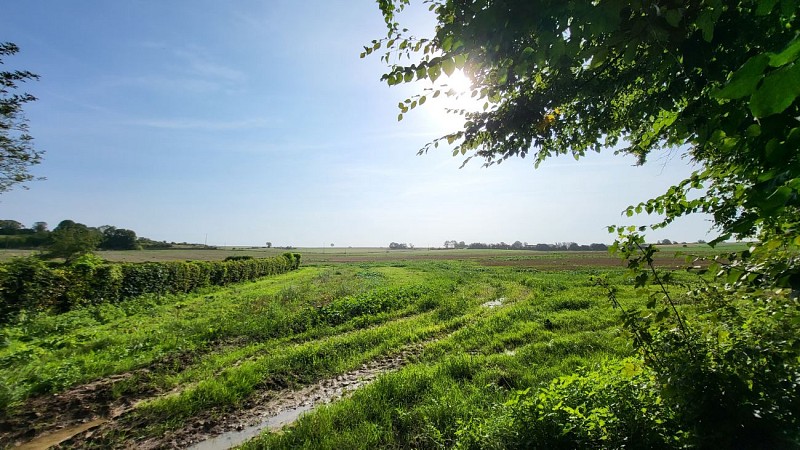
14	234
518	245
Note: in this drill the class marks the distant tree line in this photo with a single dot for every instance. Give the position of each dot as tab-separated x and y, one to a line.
400	246
70	239
518	245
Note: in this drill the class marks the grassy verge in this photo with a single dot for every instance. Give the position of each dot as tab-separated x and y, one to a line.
497	330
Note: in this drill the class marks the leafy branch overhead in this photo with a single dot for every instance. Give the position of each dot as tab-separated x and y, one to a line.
718	79
17	153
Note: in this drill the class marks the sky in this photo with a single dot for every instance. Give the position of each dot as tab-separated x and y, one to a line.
242	122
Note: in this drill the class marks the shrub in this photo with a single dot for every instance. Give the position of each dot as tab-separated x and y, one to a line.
238	258
31	285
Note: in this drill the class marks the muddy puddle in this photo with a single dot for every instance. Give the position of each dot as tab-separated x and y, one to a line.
494	303
89	415
48	440
277	409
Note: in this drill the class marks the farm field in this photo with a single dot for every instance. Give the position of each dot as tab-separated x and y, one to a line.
531	258
416	347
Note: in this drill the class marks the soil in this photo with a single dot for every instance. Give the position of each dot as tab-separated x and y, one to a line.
89	416
52	413
274	404
46	415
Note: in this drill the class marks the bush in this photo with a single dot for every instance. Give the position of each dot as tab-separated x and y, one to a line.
31	285
615	406
238	258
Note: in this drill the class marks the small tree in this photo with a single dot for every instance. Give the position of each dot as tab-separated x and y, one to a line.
119	239
40	227
70	240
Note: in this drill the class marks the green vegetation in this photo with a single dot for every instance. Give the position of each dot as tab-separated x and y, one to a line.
29	285
716	80
209	353
17	153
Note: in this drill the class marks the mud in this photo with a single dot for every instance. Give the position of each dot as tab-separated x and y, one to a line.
47	440
214	429
271	410
73	408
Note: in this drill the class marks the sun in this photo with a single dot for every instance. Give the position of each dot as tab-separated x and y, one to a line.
458	83
456	95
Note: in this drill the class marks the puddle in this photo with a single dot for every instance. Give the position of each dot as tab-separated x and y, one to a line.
233	438
284	408
46	441
494	303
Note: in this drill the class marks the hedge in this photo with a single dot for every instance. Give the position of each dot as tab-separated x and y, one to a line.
33	285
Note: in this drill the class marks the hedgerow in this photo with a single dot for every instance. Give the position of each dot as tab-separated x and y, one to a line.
32	285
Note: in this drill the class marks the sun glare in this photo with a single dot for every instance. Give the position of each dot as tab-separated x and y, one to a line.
456	94
459	83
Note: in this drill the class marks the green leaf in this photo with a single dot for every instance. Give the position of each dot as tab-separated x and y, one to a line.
460	60
744	81
765	7
447	43
789	54
779	90
673	17
788	8
502	75
449	66
753	130
777	199
434	72
599	58
706	21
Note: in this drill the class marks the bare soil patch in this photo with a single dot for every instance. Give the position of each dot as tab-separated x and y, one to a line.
45	415
268	409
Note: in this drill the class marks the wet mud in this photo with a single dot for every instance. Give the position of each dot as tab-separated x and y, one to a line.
271	410
89	417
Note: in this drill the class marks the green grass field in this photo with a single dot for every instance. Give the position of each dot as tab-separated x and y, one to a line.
375	254
474	327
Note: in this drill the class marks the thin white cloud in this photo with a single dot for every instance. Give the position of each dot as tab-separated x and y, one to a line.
199	64
213	125
189	69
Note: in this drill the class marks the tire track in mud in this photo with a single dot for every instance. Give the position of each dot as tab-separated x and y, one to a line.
41	417
273	410
94	404
268	409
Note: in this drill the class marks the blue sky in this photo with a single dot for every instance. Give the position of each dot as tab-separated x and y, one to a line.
253	121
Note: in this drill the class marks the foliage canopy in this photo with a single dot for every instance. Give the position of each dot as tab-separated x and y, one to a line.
17	153
719	79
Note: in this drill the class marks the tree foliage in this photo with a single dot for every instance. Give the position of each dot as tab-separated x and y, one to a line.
17	153
119	239
717	78
70	240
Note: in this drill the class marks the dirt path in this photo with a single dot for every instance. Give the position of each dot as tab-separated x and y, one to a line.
273	410
43	417
40	418
86	421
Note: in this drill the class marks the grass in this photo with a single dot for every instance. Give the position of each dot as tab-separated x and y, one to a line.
209	352
372	254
